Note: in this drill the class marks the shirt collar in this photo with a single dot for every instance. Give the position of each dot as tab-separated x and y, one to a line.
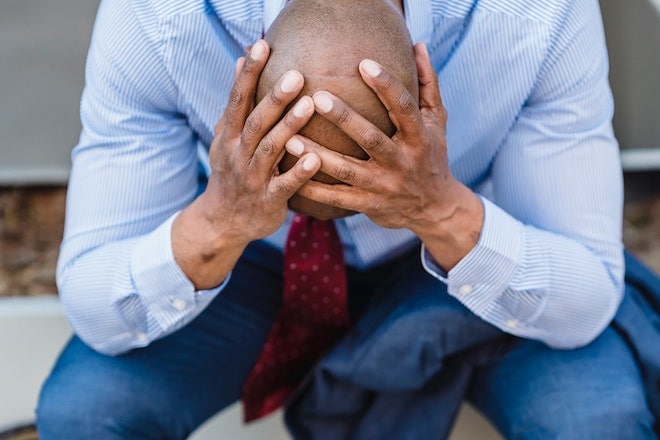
419	19
271	9
243	19
234	15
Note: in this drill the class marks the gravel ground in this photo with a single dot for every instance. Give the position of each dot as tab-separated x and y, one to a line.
31	224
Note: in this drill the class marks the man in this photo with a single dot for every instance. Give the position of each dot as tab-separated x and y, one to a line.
145	267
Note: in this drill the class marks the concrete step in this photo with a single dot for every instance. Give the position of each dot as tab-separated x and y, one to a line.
32	333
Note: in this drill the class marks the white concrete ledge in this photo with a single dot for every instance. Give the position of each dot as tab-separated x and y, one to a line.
656	3
641	159
32	333
33	330
34	175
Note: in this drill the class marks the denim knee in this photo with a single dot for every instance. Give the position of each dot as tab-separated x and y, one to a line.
619	417
74	411
90	396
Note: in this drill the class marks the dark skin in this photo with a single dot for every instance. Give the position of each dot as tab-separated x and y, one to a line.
405	182
246	197
299	40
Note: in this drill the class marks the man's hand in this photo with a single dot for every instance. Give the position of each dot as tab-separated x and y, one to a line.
406	182
246	196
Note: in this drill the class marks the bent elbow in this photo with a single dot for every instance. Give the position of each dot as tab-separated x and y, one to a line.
586	330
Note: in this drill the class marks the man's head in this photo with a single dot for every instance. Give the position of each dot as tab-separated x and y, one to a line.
325	40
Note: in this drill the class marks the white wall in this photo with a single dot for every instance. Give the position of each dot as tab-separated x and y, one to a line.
632	28
43	45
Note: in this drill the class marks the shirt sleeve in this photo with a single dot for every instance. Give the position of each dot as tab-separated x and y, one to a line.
133	170
549	262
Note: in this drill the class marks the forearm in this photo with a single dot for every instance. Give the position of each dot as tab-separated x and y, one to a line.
124	294
134	169
452	229
205	250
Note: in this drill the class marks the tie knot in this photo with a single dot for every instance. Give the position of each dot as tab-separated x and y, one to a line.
312	234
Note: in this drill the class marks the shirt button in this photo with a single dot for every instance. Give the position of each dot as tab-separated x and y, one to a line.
179	304
512	323
141	337
465	289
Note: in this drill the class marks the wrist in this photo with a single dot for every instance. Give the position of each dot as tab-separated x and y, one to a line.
454	226
215	225
204	251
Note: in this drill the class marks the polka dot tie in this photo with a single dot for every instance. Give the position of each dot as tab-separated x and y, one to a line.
313	315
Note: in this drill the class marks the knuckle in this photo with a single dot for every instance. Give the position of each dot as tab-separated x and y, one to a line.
220	142
389	82
368	180
250	66
252	127
283	186
334	200
236	97
343	116
267	146
290	122
219	127
442	114
275	99
406	105
372	140
393	186
376	206
345	173
436	82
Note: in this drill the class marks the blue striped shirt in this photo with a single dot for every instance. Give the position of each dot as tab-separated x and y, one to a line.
525	86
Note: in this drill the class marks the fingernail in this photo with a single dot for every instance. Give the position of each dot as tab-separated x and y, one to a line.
301	108
323	102
425	49
310	163
289	82
371	68
295	147
258	50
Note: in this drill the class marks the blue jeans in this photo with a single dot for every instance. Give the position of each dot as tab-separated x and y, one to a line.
168	389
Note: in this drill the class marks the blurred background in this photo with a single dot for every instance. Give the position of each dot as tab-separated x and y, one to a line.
42	52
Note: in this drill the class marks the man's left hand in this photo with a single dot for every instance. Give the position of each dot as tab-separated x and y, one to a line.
406	181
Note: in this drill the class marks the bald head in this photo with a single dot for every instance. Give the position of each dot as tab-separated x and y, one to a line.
325	40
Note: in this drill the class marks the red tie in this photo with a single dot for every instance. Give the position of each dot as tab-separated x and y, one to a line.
313	315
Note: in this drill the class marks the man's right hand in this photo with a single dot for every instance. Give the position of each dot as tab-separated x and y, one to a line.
246	196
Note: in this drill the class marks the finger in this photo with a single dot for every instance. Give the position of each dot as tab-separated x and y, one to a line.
269	110
376	143
220	125
344	168
429	88
241	96
403	108
337	195
240	62
271	147
284	186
